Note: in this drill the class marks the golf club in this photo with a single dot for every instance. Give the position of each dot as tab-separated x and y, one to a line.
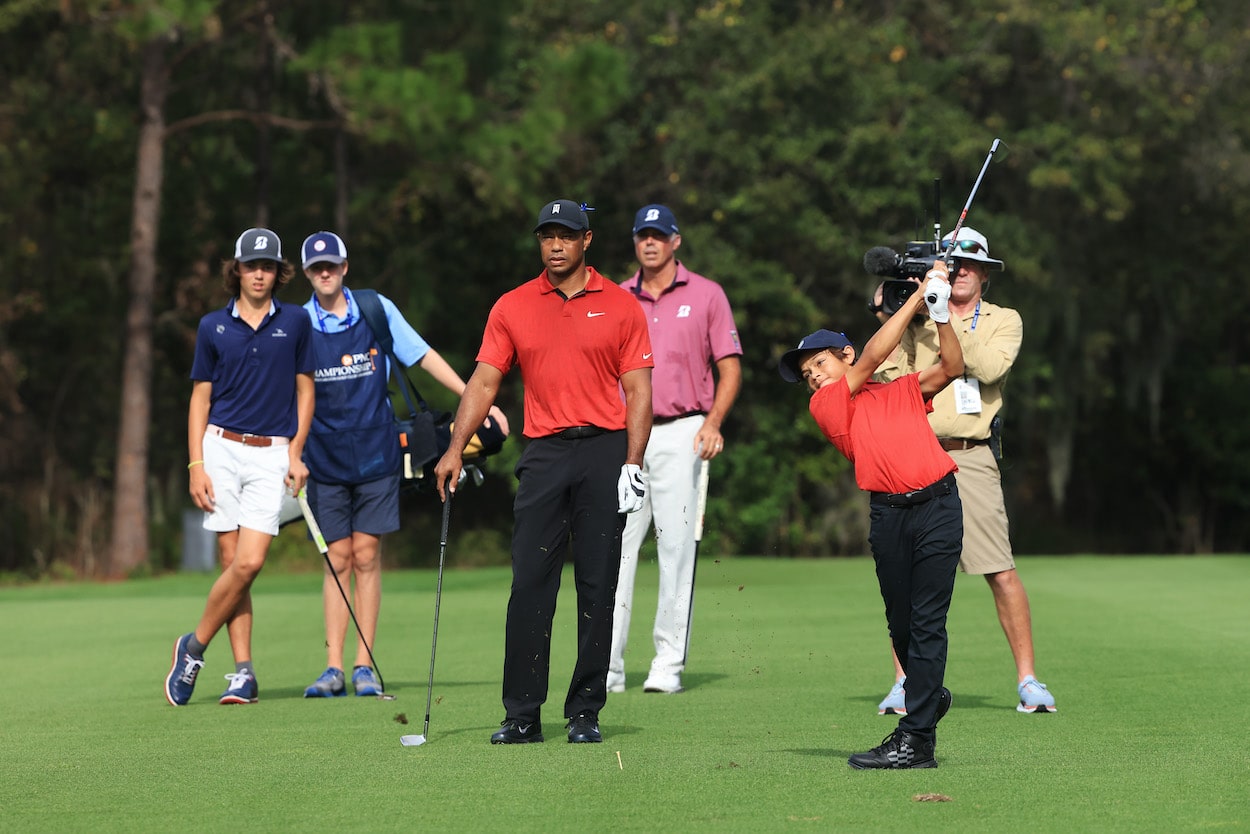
320	540
417	741
701	507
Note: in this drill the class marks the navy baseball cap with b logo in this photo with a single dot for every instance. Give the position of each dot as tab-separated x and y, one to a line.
257	244
323	246
564	213
655	216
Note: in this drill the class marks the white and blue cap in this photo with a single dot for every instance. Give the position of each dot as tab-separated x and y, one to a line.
323	246
788	367
256	245
655	216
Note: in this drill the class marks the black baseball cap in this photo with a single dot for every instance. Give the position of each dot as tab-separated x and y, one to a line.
257	244
564	213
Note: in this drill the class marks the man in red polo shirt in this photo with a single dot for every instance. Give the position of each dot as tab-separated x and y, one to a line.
916	531
579	341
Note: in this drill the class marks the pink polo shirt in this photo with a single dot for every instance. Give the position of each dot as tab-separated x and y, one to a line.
691	326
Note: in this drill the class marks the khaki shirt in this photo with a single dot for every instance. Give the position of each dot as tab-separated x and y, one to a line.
989	352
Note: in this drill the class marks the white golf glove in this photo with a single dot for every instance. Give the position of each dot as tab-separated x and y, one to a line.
936	295
631	488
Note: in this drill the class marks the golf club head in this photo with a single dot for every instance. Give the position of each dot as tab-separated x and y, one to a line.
412	741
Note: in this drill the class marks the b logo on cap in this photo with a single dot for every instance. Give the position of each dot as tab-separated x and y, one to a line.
262	242
652	214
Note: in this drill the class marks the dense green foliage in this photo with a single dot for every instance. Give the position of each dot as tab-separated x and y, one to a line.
788	137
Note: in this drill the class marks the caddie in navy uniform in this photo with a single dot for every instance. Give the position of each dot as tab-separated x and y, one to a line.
353	454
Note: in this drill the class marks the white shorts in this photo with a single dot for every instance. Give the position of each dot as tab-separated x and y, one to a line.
248	484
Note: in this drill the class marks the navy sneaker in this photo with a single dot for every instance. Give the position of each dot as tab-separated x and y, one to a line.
512	731
365	682
242	689
180	682
584	729
329	685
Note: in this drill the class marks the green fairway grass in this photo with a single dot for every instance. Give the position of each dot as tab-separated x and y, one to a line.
1149	660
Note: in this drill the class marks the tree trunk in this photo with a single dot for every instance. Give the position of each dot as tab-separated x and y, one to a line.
130	500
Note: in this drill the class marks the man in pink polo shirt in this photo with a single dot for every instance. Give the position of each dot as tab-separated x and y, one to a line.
692	329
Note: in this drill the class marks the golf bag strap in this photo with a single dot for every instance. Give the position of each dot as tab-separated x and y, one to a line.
375	317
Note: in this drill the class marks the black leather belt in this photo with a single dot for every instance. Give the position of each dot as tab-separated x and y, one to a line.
577	432
916	496
959	444
659	421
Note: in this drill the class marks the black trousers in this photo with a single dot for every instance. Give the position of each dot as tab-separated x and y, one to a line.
566	490
917	550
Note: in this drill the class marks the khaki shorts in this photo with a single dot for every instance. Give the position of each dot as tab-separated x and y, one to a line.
987	545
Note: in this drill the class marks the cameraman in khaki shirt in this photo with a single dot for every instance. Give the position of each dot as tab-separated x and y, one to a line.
962	416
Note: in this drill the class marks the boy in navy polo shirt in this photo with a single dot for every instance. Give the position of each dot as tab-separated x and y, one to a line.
916	531
251	407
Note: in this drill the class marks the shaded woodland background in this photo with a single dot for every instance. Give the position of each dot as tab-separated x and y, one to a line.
138	139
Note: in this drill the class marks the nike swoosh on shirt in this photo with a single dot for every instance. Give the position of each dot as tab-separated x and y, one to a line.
646	356
595	315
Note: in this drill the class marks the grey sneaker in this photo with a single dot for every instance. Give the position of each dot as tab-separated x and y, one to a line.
895	703
1034	697
329	685
365	681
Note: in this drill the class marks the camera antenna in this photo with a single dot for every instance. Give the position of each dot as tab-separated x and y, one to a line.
950	252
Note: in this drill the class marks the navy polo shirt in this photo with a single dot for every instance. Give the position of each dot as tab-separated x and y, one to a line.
253	371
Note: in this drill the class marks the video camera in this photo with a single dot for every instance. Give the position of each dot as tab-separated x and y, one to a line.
918	257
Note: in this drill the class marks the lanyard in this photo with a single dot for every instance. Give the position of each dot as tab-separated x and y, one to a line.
976	314
347	322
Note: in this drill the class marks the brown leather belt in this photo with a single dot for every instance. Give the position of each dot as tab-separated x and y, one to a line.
249	439
959	444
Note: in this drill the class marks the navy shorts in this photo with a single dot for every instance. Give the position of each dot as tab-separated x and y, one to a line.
343	509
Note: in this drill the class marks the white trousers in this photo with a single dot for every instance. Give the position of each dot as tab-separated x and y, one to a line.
672	469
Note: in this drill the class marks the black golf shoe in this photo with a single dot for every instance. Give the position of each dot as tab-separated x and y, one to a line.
900	750
512	731
584	729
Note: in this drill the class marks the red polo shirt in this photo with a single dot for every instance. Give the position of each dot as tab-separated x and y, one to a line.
884	430
572	353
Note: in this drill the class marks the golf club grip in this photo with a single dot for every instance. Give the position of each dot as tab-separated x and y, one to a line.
311	521
702	500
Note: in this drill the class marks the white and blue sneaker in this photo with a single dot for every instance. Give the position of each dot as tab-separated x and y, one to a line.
242	689
180	682
365	681
896	702
1035	697
329	685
